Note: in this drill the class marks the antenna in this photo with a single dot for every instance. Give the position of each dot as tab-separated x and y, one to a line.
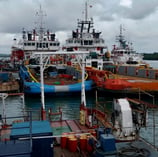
40	14
86	11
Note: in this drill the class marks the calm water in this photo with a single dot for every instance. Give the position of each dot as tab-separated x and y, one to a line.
70	106
153	64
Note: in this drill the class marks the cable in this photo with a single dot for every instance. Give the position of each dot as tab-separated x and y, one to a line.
133	152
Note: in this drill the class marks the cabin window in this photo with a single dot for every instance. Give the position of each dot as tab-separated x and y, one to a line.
70	41
99	63
79	41
40	45
44	45
90	42
86	42
97	41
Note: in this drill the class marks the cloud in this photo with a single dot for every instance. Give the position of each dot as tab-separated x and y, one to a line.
138	16
139	9
126	3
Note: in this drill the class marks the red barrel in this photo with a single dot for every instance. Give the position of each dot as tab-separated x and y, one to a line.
69	137
73	144
83	142
63	141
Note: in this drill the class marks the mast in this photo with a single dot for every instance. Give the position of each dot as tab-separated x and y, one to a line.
41	14
86	11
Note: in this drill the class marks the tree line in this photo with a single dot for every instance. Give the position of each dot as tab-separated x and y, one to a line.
151	56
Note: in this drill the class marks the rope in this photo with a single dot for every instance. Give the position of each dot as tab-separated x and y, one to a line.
133	152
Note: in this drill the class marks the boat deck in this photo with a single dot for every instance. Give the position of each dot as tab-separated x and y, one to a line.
135	78
73	127
68	126
58	80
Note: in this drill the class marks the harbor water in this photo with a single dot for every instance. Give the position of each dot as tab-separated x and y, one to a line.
70	106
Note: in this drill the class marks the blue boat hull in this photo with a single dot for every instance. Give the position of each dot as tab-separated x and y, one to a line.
35	87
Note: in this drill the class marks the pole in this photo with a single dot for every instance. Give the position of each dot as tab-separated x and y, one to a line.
43	112
4	96
83	97
86	12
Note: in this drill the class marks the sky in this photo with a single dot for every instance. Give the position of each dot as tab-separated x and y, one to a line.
139	19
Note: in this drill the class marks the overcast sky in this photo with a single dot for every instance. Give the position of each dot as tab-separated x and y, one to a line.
138	17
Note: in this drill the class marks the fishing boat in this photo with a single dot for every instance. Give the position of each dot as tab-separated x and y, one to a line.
86	38
124	52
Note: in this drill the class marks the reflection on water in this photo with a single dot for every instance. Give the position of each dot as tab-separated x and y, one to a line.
12	107
69	104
